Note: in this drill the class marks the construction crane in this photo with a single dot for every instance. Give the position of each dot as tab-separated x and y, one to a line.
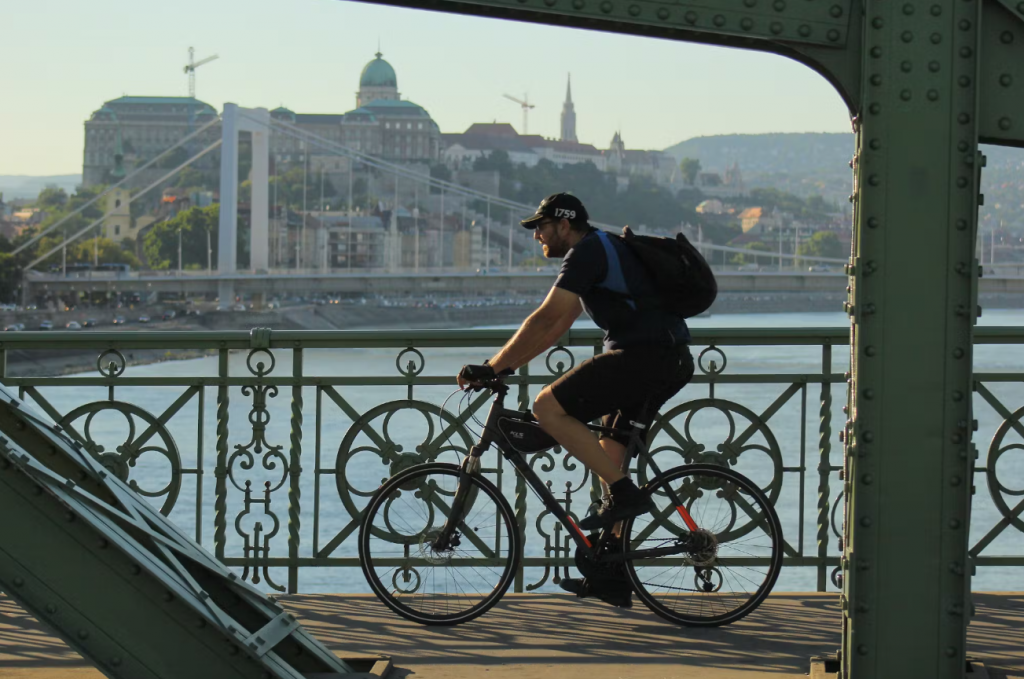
525	103
190	69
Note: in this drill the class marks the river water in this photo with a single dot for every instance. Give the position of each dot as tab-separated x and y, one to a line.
795	442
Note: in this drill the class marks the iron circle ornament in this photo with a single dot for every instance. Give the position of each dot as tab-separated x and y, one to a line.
714	369
123	458
114	367
260	369
559	368
997	451
411	369
378	434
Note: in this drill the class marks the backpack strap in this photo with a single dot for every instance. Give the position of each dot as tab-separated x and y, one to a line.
614	280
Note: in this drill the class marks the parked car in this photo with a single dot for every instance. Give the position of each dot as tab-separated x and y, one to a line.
14	327
91	323
73	325
239	307
119	320
46	325
143	319
168	315
193	312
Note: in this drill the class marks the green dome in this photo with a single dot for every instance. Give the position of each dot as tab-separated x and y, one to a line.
378	73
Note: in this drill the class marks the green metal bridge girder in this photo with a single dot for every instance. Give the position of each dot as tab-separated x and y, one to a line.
925	81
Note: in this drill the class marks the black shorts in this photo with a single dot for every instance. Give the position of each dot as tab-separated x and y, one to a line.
624	385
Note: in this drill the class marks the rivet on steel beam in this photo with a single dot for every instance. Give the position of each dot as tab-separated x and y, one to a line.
955	568
958	352
69	517
863	565
867	479
908	9
690	17
950	651
962	147
875	144
963	454
936	10
851	198
934	66
958	395
869	394
115	661
750	3
102	543
865	521
634	10
955	480
869	309
870	267
168	597
933	95
869	350
719	20
905	95
957	438
775	28
550	3
779	5
577	5
954	523
607	8
663	14
836	11
233	650
962	182
874	180
965	24
936	38
18	582
961	225
966	52
804	31
201	623
964	81
877	23
51	609
907	36
867	437
875	109
83	634
876	51
136	569
1006	80
833	35
1006	38
746	24
1004	124
962	268
863	649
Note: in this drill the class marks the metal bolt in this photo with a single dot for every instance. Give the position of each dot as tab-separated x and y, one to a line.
1006	80
634	10
869	350
936	10
869	309
936	38
958	395
836	11
867	479
876	80
907	36
876	52
955	568
873	222
877	22
663	14
866	521
962	147
905	95
966	52
869	394
961	225
954	481
833	35
775	28
965	25
908	9
867	437
83	634
1004	124
958	353
136	569
906	66
115	661
719	20
746	24
19	582
934	66
950	651
874	179
954	523
779	5
690	17
964	81
933	95
862	649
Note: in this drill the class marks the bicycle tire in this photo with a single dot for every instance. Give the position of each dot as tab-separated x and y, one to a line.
405	603
707	568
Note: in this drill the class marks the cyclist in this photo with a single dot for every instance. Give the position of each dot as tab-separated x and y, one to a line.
646	361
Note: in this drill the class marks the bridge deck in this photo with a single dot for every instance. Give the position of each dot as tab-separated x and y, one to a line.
541	636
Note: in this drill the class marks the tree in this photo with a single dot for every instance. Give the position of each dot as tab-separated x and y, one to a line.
822	244
52	198
160	243
690	167
756	246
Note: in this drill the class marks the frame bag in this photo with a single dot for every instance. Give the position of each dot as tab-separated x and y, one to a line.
680	272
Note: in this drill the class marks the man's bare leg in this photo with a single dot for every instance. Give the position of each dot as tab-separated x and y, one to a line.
576	438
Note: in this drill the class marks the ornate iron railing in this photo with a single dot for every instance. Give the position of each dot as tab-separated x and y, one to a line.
747	408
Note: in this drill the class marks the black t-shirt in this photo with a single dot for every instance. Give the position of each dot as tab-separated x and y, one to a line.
626	323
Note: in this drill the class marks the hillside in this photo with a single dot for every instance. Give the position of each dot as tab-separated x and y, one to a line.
23	186
803	164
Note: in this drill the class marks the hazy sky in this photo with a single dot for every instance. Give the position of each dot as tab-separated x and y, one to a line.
61	59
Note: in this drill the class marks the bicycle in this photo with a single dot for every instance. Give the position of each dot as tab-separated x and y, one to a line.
449	520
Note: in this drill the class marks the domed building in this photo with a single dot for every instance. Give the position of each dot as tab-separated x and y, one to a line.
377	82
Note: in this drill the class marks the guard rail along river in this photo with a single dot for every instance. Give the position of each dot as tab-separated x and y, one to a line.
268	447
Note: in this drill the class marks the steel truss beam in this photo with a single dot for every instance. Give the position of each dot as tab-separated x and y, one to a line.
120	583
925	81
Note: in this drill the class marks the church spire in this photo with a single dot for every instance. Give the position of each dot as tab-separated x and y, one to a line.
568	114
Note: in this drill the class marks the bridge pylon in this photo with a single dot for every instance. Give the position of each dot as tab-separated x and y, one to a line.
120	583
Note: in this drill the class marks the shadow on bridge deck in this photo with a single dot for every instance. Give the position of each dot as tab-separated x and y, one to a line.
542	636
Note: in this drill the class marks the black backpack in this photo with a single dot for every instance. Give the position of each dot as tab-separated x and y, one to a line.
680	272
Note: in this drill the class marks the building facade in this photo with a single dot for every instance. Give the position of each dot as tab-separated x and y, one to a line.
568	115
127	132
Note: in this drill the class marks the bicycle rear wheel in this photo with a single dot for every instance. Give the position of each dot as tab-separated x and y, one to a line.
428	582
719	551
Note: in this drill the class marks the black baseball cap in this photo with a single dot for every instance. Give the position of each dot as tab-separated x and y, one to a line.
559	206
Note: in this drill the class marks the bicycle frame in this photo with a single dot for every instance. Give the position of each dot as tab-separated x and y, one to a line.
493	436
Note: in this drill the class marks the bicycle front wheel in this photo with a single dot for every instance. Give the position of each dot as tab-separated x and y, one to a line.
412	572
710	552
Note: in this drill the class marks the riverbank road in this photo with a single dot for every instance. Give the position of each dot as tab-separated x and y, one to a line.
556	636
